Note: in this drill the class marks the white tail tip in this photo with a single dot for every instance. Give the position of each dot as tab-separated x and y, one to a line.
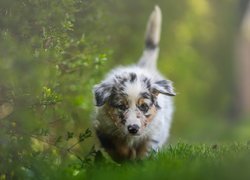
153	30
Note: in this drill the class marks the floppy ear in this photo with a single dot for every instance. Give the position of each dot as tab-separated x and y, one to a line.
102	92
164	87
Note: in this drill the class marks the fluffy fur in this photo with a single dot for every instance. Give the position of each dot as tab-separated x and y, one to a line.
134	104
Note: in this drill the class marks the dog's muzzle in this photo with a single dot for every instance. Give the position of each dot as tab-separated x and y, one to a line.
133	129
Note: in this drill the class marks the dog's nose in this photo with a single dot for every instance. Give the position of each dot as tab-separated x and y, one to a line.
133	129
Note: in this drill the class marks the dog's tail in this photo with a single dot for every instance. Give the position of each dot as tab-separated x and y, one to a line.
152	38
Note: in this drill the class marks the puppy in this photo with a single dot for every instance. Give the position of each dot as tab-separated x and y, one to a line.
134	104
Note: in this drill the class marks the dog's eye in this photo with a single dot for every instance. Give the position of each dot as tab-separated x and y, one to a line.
144	107
122	107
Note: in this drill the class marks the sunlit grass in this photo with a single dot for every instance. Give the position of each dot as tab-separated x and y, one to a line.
182	161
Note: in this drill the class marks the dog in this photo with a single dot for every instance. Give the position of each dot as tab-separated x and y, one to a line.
134	104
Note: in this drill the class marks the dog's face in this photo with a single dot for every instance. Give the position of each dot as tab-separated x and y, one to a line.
130	100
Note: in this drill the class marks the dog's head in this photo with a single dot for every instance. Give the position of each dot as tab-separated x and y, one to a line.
130	100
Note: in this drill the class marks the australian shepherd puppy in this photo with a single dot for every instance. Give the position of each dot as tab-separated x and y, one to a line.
134	104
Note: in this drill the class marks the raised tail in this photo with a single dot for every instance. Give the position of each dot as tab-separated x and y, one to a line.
152	39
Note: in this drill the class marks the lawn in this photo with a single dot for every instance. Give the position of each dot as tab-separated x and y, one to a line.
180	161
176	161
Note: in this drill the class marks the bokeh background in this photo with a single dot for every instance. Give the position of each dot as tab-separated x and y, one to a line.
52	53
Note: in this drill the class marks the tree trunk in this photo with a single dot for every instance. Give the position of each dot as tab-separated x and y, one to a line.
242	63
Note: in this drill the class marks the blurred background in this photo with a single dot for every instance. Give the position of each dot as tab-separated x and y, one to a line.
52	53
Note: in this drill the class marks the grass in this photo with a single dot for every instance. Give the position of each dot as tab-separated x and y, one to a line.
182	161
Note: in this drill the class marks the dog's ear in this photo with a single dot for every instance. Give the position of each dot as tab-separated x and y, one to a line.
164	87
102	92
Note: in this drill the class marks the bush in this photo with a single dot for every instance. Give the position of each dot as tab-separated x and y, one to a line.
50	58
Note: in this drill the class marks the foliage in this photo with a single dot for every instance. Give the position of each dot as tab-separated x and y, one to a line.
50	59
